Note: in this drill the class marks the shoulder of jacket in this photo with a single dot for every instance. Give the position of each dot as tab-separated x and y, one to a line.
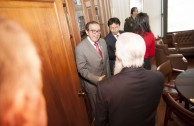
101	40
127	19
82	43
155	74
108	36
107	82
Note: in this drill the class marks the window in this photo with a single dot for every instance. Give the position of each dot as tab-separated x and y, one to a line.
179	15
137	3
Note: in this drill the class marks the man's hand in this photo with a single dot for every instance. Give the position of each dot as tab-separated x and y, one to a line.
101	78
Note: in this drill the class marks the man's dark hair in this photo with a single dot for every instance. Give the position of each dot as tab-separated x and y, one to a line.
88	24
113	20
133	9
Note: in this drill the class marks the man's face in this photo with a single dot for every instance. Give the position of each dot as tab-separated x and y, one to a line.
114	28
135	13
118	65
94	32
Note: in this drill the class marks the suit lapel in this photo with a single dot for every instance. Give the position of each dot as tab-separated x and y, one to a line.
113	38
92	49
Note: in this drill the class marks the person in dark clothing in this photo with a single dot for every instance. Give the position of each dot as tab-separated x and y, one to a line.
130	21
131	96
111	38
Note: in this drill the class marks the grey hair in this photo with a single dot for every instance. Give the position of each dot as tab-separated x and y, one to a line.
130	48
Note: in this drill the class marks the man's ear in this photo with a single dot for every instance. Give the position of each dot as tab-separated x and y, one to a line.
119	59
86	32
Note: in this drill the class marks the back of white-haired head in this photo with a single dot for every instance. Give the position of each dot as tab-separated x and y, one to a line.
130	49
21	99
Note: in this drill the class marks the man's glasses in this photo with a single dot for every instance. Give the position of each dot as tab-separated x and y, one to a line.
95	31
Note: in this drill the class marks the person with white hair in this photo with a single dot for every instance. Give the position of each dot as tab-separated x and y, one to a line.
21	98
131	96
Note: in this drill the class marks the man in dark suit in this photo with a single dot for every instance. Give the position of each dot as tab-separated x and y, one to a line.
111	38
131	97
92	60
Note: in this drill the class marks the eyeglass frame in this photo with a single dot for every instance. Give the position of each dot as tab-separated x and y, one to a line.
95	31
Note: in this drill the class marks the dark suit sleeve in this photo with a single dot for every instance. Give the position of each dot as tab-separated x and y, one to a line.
101	109
111	52
126	27
107	65
111	46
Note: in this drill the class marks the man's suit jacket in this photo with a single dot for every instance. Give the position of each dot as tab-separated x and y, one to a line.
110	41
129	98
90	65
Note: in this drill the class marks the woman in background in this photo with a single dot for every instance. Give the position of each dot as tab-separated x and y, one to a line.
142	28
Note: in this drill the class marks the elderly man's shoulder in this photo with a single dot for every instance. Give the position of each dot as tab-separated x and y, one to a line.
154	75
115	82
154	72
109	81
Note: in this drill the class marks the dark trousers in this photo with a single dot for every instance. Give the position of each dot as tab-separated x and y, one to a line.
92	100
147	63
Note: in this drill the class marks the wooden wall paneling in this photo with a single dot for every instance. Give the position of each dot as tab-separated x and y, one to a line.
89	9
96	9
47	25
73	22
93	10
68	23
86	17
103	12
106	13
100	19
109	9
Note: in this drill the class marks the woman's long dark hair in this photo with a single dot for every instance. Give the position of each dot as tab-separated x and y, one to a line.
142	24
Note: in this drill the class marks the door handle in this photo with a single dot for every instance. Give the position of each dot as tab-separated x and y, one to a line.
81	93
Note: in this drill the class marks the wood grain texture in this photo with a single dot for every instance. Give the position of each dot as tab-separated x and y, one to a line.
73	23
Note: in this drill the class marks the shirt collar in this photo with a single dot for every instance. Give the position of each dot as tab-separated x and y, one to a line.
116	35
91	41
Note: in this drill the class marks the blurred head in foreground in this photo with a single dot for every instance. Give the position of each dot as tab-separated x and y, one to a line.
21	99
130	51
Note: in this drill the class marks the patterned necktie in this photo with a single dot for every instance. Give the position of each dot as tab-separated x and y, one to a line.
98	49
117	35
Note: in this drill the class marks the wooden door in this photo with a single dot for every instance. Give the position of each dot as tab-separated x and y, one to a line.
44	20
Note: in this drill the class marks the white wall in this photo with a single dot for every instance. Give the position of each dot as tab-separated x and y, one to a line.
121	9
153	9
